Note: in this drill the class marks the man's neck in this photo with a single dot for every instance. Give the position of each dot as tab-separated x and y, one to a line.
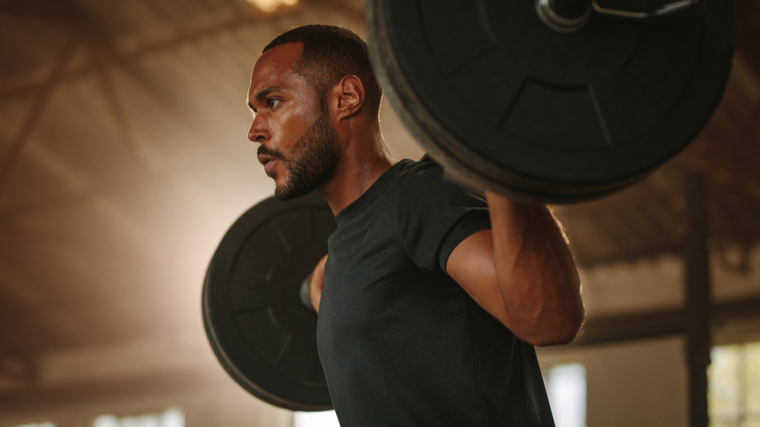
361	165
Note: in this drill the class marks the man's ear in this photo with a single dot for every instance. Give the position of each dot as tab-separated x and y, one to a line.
347	97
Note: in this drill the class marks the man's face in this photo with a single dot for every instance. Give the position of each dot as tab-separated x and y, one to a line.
299	147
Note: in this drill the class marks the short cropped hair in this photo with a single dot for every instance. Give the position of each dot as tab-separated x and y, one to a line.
329	54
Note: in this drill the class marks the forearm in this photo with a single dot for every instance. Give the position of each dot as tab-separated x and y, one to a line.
535	271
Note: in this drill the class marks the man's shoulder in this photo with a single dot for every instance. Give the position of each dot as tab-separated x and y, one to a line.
420	171
427	178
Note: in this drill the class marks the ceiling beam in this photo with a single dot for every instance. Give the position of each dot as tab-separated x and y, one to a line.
127	54
31	401
722	176
16	367
104	78
44	93
650	253
660	323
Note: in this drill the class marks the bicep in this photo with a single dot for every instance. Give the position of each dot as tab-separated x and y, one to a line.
471	265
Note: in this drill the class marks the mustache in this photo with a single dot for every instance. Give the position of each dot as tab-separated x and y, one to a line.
270	152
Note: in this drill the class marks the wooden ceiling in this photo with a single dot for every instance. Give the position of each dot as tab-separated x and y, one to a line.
123	159
648	219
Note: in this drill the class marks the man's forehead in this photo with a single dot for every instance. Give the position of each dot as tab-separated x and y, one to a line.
274	74
276	63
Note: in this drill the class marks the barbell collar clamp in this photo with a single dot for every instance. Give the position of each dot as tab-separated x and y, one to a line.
662	10
549	15
305	292
569	16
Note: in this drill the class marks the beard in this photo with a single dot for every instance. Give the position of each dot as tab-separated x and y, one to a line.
314	160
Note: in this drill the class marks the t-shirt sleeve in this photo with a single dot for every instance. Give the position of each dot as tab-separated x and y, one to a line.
435	213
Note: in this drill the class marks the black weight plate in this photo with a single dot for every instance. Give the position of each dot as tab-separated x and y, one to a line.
262	334
494	94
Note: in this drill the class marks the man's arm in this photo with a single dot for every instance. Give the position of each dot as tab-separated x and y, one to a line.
521	271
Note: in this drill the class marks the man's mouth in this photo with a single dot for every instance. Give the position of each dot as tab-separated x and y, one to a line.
268	166
268	162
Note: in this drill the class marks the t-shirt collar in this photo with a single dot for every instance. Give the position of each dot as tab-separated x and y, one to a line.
369	194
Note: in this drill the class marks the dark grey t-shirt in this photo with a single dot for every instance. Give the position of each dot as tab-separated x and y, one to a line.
400	342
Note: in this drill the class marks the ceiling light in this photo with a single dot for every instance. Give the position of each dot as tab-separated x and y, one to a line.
271	5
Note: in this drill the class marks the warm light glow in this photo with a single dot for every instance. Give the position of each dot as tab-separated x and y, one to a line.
566	389
172	417
315	419
271	5
734	389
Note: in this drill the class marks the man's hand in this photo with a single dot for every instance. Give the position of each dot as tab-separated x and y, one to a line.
521	271
317	283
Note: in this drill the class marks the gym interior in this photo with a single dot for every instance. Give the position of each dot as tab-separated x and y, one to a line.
124	160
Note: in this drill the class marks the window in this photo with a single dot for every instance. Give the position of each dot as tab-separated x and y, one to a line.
566	388
172	417
734	386
315	419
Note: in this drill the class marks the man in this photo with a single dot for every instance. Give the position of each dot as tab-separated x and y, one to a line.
430	296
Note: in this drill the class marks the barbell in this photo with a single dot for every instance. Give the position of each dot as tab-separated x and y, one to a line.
556	101
519	107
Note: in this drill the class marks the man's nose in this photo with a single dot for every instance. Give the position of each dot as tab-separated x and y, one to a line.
258	132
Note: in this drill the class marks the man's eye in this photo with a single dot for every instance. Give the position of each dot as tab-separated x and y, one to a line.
273	102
